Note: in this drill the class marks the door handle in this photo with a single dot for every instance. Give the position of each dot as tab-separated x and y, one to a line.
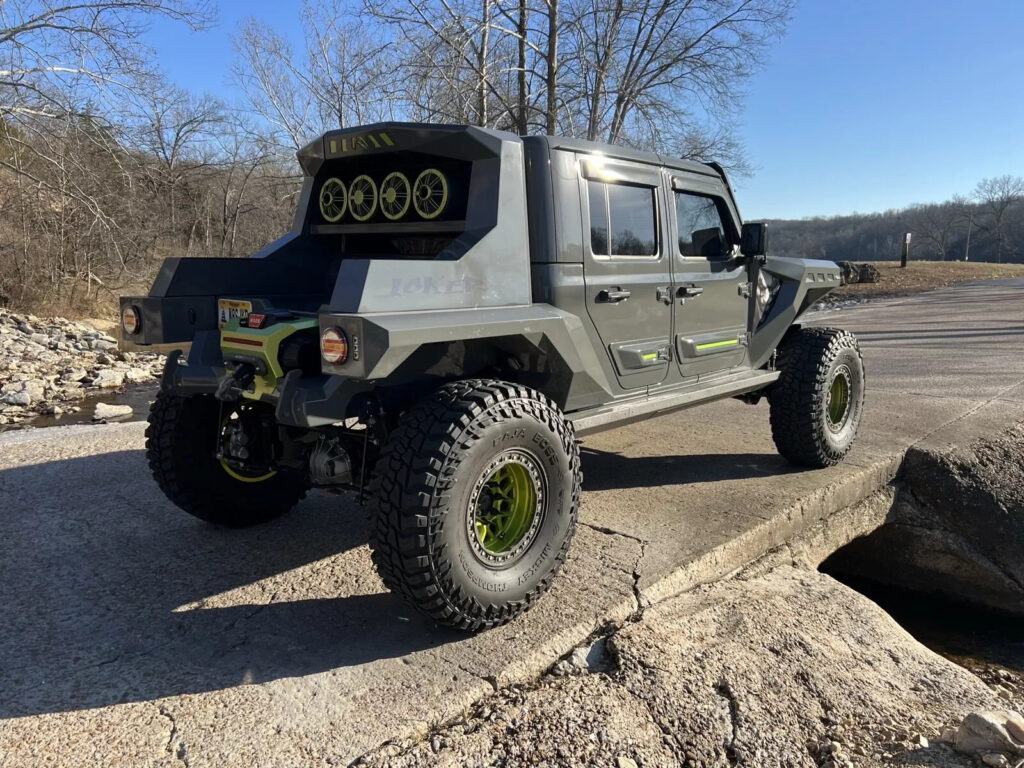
613	294
689	291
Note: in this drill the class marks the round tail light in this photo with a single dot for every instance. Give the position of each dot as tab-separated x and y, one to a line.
334	346
131	320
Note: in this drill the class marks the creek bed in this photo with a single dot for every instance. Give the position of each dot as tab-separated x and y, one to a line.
138	397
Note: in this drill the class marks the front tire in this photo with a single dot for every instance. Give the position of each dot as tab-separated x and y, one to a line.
181	447
477	493
818	400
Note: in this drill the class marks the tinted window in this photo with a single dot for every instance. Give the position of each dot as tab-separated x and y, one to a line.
626	214
701	232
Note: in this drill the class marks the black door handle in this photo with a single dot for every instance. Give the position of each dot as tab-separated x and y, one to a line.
687	291
613	294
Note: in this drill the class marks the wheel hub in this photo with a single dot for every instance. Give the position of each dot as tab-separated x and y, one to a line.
837	406
505	508
236	448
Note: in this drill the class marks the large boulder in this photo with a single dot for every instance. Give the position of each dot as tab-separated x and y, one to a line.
106	411
957	529
849	272
867	273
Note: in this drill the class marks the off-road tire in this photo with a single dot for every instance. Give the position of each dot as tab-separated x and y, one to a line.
422	487
809	360
181	446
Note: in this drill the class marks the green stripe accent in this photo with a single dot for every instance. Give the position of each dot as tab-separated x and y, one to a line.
713	344
649	355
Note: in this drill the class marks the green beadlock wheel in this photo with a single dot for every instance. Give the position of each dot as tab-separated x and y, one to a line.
818	400
506	507
476	493
182	443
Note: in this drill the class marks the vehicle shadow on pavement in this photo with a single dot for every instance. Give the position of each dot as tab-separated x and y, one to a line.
606	470
110	594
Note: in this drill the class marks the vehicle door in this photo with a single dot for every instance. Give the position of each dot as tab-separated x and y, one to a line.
627	270
711	283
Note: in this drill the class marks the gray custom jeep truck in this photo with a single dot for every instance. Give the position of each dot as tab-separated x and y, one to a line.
451	310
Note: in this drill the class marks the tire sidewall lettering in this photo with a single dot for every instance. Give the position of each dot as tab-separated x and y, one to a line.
524	431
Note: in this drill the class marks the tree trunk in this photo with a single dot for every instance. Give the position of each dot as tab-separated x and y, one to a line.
521	118
485	36
551	83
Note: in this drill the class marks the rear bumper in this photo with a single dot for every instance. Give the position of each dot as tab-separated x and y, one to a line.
170	320
299	401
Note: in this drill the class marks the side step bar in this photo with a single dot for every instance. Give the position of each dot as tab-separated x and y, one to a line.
590	421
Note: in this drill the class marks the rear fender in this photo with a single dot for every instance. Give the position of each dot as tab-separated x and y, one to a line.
392	348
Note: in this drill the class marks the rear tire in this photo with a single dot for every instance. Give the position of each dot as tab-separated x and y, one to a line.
181	447
477	492
818	400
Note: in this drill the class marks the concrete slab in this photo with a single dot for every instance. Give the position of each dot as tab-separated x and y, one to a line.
131	634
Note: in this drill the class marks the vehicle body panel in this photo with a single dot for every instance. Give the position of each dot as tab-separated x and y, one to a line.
504	283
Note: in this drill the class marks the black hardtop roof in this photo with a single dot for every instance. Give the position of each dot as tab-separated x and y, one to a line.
625	153
553	142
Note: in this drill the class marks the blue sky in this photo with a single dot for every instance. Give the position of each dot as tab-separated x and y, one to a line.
864	105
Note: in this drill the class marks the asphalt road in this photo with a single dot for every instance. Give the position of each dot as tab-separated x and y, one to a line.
132	634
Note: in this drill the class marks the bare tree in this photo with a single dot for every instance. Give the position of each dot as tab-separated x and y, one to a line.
659	72
174	131
653	73
996	195
344	76
459	56
60	56
935	224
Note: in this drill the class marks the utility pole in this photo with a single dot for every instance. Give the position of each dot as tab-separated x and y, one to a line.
967	245
906	251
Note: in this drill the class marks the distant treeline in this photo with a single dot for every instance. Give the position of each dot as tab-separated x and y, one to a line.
992	217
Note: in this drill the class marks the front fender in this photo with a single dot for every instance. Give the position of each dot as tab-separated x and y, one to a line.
803	282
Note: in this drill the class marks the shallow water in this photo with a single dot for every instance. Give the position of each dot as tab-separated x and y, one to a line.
138	397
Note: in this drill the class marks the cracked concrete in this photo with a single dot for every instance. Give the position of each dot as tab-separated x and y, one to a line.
785	667
175	746
278	645
724	690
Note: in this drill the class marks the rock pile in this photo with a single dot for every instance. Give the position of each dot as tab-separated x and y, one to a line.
47	364
854	272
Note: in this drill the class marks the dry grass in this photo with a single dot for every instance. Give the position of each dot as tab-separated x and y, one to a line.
926	276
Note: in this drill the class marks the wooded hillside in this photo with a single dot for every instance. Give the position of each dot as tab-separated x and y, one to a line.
992	217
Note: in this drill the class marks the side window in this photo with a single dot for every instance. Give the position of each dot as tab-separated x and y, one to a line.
622	219
701	231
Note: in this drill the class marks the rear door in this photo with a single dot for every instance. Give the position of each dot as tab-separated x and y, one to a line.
627	267
711	285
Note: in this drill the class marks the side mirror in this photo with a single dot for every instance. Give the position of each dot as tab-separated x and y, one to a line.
754	239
